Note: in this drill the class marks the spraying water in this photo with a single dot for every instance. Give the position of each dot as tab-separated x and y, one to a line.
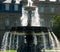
35	38
13	41
44	40
5	42
52	40
17	42
10	41
35	18
56	40
24	18
30	3
25	40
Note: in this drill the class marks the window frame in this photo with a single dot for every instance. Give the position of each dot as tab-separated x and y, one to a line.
7	7
16	7
7	22
42	9
42	21
52	9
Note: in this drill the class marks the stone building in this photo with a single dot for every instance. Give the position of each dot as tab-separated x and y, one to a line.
10	13
48	9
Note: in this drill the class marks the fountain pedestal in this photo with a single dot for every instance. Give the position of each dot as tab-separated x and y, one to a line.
29	36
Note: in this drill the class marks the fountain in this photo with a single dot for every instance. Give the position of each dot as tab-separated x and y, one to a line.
30	36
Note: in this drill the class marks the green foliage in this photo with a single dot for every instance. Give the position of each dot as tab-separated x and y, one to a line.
56	25
56	20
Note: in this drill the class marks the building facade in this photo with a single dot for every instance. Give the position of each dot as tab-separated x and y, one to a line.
10	13
47	9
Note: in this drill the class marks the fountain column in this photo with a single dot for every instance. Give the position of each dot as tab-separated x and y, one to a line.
29	9
29	34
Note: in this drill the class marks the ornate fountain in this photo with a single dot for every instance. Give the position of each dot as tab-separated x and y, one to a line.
30	36
29	31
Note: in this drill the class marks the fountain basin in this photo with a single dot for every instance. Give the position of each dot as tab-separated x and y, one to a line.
33	28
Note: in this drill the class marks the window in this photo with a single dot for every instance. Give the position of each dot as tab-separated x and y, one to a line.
16	22
6	6
20	8
11	7
53	0
41	9
7	22
52	9
0	7
51	22
42	22
41	0
16	7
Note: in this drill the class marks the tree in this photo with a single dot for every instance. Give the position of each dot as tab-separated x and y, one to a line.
56	25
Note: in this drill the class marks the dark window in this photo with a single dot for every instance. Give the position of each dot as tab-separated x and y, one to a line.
20	8
7	23
16	22
0	7
3	7
11	7
41	9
